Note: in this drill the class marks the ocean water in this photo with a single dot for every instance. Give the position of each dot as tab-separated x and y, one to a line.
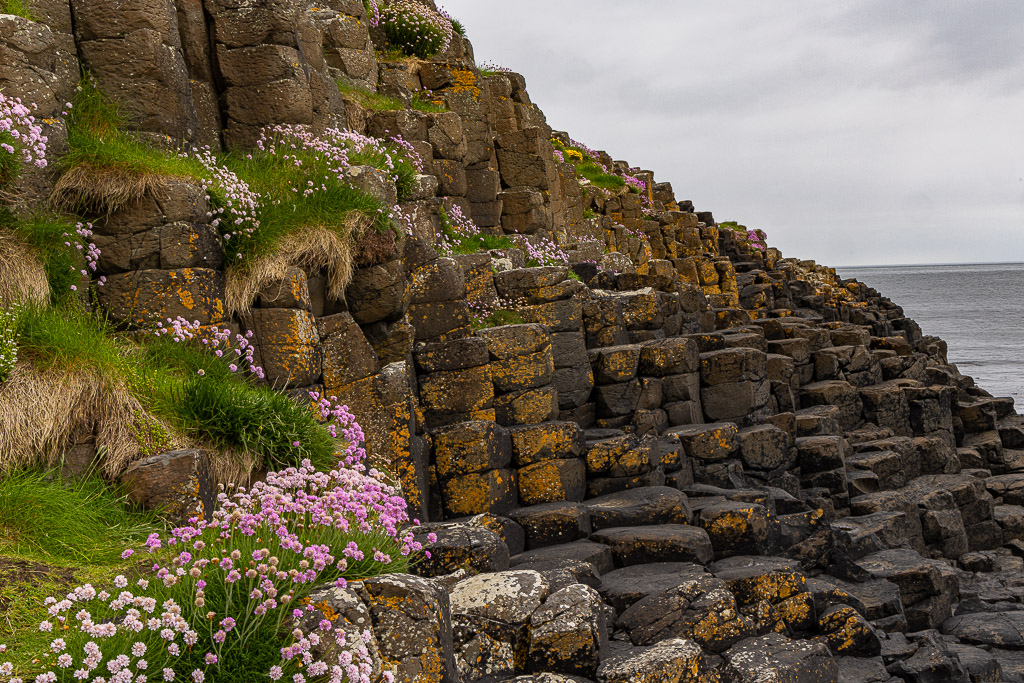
978	309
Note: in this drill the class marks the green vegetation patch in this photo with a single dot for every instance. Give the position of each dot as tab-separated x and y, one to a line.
107	167
18	8
588	168
376	101
220	407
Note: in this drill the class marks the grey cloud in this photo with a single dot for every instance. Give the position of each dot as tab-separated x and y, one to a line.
864	131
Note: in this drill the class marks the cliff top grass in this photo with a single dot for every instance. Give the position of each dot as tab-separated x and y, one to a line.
375	101
588	168
106	167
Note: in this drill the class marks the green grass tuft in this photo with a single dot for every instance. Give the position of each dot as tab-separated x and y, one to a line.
70	340
458	27
50	235
105	166
588	168
376	101
262	422
482	242
86	521
497	319
18	8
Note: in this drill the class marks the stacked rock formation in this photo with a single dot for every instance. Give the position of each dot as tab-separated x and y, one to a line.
693	461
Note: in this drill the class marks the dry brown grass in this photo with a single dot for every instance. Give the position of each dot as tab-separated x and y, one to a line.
312	247
42	411
104	190
22	277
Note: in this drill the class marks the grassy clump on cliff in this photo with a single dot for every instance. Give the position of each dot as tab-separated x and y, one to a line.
56	242
588	167
106	167
375	101
18	8
160	388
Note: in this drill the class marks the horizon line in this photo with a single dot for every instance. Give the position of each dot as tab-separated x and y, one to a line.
919	265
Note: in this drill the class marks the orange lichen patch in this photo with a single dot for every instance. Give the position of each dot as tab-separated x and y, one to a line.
797	611
721	626
523	372
529	407
464	81
325	609
774	587
734	525
542	482
846	630
457	390
473	494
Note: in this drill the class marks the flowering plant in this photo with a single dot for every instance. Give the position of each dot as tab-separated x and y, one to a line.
181	330
21	139
484	314
228	597
8	340
541	251
757	239
415	28
460	235
294	175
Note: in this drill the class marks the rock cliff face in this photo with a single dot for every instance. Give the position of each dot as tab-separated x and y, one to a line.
694	460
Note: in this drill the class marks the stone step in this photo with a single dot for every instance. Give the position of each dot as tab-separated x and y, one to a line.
639	507
553	523
663	543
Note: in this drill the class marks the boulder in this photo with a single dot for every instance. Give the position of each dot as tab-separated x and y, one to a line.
568	633
776	657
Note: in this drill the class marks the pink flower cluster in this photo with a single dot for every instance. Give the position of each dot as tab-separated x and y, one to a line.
341	424
335	150
480	312
240	213
491	66
90	251
544	252
757	239
181	330
252	565
415	28
455	227
20	135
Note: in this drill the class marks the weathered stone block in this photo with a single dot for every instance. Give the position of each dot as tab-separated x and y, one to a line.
471	447
552	480
493	491
546	441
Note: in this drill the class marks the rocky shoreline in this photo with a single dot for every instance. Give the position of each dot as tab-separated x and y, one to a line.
692	460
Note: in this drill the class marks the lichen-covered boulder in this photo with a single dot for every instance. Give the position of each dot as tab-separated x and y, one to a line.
412	625
848	632
699	607
490	613
775	658
459	546
568	633
675	660
661	543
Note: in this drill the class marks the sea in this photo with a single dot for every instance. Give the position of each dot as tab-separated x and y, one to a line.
978	309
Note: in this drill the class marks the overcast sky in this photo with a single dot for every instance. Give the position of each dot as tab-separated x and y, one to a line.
852	131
